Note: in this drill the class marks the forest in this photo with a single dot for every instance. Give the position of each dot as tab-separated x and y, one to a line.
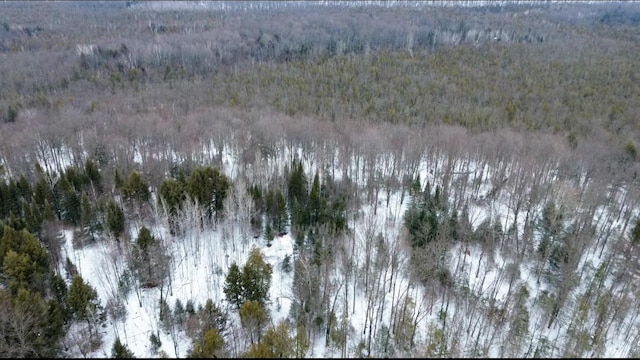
319	179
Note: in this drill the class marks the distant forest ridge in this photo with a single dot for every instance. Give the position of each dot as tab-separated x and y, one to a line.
246	5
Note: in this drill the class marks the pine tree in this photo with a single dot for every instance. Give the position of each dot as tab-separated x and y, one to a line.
179	312
279	342
42	192
301	342
252	283
233	288
172	192
211	346
32	217
259	351
24	189
635	233
297	186
120	351
30	327
256	278
72	207
18	269
268	234
117	179
84	303
254	318
88	219
209	187
269	205
145	239
315	205
93	174
280	213
213	317
135	189
115	219
25	261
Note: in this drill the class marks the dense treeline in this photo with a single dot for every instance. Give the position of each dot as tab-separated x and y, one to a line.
482	72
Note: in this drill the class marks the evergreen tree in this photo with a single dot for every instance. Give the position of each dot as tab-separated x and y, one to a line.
142	264
297	186
252	283
24	189
211	346
256	196
32	217
209	187
135	188
212	316
280	343
256	278
155	342
254	318
88	219
77	178
30	328
551	227
93	174
24	260
172	192
11	199
426	218
315	205
301	342
259	351
120	351
233	288
42	192
280	213
71	207
115	219
145	239
269	205
18	268
268	234
84	303
60	189
635	233
117	180
179	312
150	259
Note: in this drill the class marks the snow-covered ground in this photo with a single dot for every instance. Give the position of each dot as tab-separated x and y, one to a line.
200	259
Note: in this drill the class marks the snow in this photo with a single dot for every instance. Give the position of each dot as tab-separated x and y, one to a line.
198	267
200	259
